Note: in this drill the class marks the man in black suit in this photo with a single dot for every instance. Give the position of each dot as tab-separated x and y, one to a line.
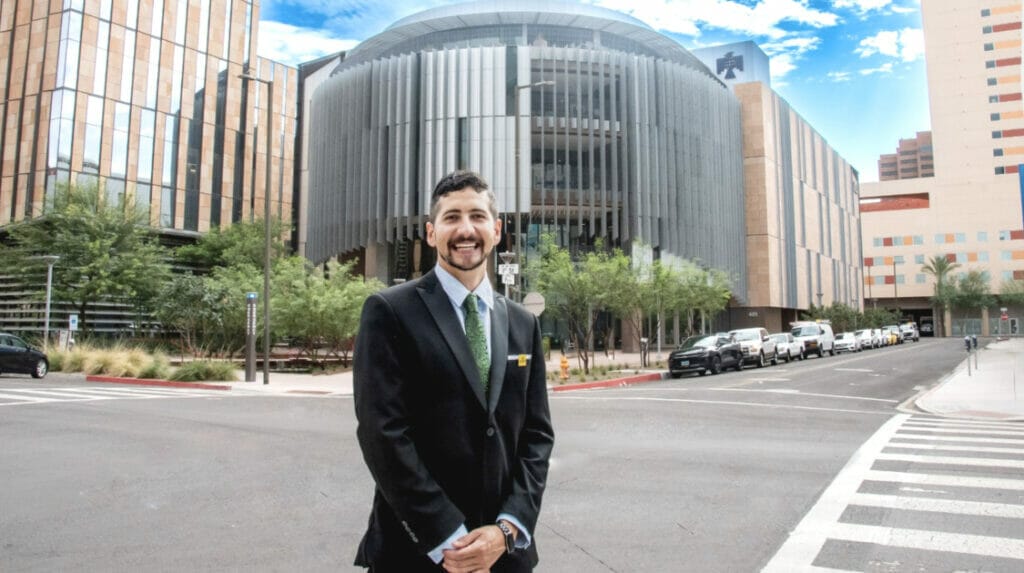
451	400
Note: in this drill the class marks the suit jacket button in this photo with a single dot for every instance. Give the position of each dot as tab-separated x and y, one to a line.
490	432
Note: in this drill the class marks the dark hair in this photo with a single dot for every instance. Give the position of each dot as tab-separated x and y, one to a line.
457	181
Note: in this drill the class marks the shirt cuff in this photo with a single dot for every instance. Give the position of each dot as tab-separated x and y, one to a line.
437	555
523	540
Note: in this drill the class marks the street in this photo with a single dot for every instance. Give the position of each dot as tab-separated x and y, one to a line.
696	474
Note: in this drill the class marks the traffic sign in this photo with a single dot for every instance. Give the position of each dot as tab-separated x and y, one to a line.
508	279
508	268
73	322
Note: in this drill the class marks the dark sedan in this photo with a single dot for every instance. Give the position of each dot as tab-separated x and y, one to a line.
705	354
17	356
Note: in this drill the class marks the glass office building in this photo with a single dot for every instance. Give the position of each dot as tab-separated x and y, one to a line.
144	98
621	134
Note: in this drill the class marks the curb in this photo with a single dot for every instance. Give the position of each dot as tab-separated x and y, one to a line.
165	383
616	382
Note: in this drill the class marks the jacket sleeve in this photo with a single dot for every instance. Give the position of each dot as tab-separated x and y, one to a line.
383	431
536	440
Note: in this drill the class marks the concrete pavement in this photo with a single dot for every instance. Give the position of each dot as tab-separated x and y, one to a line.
994	390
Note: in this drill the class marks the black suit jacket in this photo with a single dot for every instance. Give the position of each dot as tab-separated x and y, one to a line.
441	452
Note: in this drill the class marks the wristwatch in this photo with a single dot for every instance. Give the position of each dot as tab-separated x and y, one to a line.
510	540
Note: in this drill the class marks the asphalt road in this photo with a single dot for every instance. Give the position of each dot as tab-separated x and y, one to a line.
696	474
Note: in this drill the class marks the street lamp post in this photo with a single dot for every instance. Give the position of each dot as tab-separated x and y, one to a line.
50	260
519	216
266	225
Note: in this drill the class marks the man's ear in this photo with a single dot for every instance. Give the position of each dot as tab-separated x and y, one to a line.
430	234
497	230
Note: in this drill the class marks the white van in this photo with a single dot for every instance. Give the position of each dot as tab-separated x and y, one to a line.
816	336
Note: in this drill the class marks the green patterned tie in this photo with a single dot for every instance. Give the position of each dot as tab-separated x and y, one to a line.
477	338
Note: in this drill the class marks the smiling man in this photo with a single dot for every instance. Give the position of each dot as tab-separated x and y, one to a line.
451	400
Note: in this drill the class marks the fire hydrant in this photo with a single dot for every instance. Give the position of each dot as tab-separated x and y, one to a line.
564	365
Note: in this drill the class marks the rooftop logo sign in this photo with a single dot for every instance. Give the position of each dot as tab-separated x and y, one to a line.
728	64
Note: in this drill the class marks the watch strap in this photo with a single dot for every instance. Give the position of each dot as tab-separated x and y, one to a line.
510	540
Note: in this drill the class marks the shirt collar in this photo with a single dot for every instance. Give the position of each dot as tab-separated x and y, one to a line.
457	291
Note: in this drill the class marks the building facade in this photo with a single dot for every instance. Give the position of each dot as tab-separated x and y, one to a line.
971	210
620	134
913	159
144	98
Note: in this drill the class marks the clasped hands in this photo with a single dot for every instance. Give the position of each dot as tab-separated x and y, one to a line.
476	551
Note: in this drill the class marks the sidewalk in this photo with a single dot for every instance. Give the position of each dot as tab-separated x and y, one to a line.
993	391
341	383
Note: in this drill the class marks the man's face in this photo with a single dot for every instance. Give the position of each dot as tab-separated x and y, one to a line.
464	232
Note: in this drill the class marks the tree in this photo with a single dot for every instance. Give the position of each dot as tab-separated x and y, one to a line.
318	309
939	266
106	251
971	293
712	295
242	242
572	291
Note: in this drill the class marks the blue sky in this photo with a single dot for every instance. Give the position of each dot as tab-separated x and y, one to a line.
854	69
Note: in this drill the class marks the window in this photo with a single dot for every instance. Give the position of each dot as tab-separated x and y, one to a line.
877	241
990	64
983	256
997	134
961	258
986	30
1006	255
1000	170
1004	235
920	278
918	259
993	99
918	240
898	259
940	239
992	82
989	47
997	153
961	238
993	116
986	12
982	236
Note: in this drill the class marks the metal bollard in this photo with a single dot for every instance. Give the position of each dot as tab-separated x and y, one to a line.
967	345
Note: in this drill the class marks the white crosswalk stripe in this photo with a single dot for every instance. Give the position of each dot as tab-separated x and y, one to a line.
926	488
29	396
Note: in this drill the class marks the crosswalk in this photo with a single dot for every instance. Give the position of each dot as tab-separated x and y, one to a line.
30	396
922	494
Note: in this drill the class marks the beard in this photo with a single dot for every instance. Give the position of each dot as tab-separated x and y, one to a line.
464	266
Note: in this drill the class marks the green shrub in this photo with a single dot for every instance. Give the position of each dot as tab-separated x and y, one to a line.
204	370
74	359
56	360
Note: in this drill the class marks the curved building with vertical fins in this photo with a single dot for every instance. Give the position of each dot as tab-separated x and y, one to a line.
623	135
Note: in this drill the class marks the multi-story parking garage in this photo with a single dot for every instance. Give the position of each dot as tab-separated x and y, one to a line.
622	135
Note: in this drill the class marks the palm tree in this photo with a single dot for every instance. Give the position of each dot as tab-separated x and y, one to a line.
939	266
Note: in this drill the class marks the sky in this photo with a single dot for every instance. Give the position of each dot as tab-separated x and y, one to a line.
854	69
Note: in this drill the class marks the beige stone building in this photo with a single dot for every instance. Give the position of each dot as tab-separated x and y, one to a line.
970	212
802	222
144	97
913	159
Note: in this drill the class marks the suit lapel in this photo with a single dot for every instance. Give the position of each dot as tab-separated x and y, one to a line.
441	310
499	350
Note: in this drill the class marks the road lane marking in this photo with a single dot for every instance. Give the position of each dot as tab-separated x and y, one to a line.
952	448
866	370
976	508
714	402
952	461
958	439
946	430
807	539
800	393
967	425
929	540
944	480
24	398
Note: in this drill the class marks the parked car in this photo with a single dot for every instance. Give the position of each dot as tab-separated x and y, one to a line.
705	354
787	347
757	347
866	339
927	328
908	331
847	342
892	332
817	337
16	355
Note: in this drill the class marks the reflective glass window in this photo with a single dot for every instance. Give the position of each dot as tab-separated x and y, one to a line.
147	125
93	135
99	82
179	62
132	15
181	17
167	207
154	72
115	191
119	149
227	30
983	256
86	179
248	33
204	25
68	51
170	150
157	22
105	9
142	198
74	5
128	66
1006	255
918	259
961	237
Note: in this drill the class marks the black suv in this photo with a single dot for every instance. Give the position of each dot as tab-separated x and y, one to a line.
17	356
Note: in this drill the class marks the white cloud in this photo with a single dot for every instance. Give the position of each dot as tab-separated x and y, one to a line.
862	6
293	45
885	68
781	65
906	44
792	45
839	76
687	17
